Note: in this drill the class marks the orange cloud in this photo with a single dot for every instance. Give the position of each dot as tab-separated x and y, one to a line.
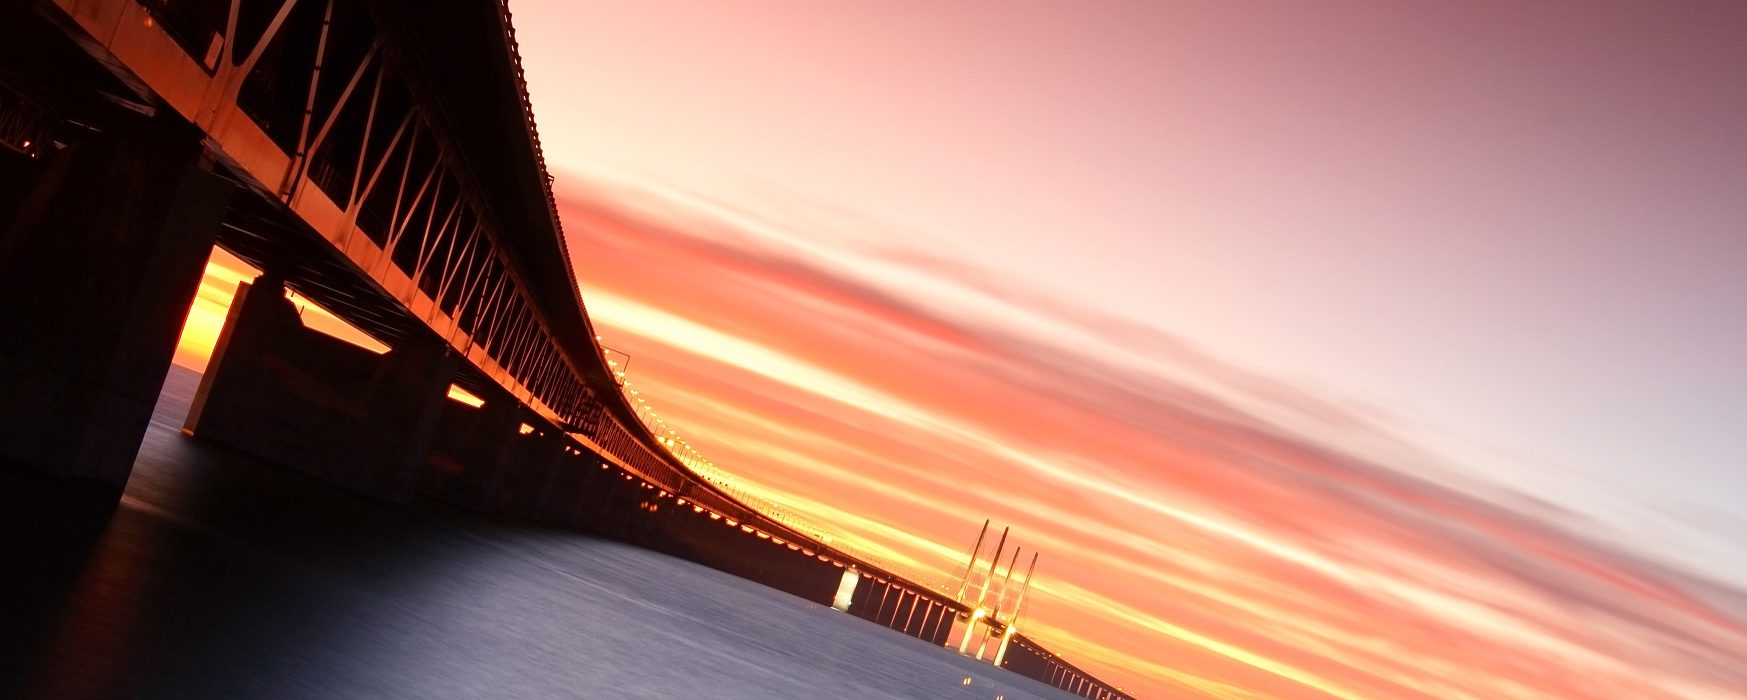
1207	531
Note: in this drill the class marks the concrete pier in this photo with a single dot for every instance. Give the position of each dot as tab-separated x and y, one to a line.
297	397
98	264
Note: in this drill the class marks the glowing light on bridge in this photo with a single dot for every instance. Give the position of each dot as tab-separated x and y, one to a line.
463	396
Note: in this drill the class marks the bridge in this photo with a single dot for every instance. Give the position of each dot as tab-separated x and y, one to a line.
380	158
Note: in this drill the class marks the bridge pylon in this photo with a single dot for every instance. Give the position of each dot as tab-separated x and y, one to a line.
99	262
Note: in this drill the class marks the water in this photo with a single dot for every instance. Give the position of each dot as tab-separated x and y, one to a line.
220	577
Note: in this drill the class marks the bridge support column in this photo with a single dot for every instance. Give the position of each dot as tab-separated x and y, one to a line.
527	468
410	401
554	496
499	436
98	265
314	403
942	626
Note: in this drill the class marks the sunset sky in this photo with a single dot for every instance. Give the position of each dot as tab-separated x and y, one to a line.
1324	351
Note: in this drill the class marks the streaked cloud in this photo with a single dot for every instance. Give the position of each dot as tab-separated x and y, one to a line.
1207	530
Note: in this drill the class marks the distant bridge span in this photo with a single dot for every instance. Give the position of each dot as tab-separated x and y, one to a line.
378	157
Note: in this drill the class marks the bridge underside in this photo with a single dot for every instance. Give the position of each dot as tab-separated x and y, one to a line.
112	205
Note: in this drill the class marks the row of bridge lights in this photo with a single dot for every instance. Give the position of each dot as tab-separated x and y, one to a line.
706	468
729	521
681	449
760	534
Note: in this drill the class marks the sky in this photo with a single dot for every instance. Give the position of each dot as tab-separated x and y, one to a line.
1346	350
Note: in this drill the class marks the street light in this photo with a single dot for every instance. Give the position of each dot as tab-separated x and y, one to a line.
618	360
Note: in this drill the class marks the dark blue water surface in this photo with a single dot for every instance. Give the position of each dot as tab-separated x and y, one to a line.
220	577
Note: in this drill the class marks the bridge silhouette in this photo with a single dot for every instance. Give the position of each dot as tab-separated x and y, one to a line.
379	158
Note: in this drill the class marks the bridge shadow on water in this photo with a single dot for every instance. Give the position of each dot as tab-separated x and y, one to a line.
220	576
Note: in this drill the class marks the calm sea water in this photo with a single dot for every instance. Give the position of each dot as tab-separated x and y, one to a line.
223	578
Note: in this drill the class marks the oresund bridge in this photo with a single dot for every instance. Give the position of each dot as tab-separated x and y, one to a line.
379	158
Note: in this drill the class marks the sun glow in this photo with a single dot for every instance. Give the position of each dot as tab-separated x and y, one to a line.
218	285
